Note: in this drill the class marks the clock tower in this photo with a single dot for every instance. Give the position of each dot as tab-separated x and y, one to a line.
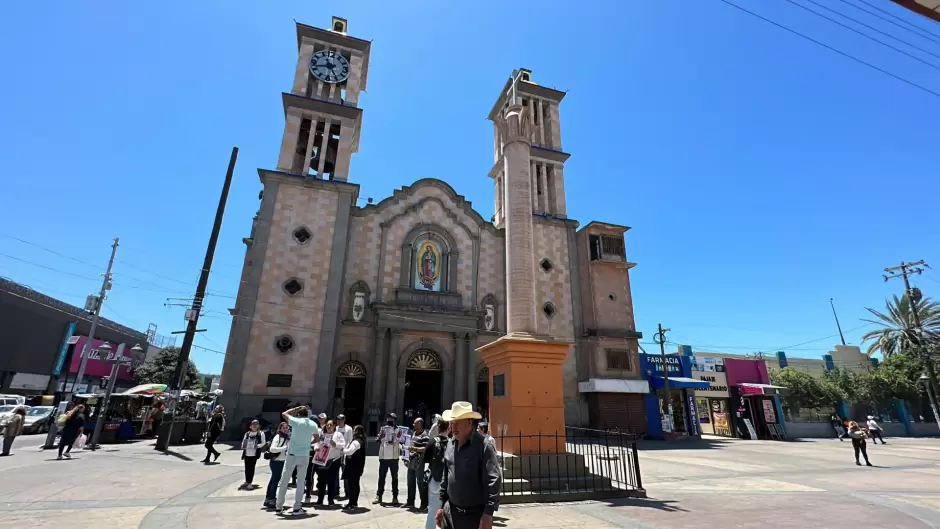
322	108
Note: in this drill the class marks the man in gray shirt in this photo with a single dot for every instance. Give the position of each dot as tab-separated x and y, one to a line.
472	478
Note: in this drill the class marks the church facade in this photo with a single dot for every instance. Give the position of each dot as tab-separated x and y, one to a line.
345	305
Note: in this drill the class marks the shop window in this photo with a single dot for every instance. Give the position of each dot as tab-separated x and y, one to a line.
618	359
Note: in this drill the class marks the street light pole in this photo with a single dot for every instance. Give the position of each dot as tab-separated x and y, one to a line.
118	362
86	347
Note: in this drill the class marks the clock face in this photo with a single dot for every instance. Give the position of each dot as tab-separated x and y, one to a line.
329	66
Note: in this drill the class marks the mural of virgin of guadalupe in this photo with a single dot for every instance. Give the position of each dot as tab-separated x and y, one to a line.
428	267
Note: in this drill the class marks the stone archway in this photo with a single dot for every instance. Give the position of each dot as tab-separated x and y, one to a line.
423	385
350	393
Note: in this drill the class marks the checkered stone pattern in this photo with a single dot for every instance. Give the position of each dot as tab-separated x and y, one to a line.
432	212
299	316
362	260
492	279
551	241
355	342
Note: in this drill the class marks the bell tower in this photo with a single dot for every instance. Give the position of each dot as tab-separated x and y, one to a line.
322	112
543	136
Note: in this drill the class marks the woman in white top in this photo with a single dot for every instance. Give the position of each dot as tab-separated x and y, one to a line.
252	444
327	473
276	455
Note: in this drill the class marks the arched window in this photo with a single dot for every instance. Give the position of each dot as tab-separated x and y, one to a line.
429	259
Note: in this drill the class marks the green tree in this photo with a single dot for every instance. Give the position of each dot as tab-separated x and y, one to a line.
159	370
855	387
897	334
805	390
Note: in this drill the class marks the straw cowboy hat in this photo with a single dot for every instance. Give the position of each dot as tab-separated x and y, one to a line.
460	410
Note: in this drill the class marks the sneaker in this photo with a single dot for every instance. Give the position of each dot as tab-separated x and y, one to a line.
857	463
58	458
295	512
331	503
216	457
407	505
68	455
279	510
867	464
377	500
394	500
267	504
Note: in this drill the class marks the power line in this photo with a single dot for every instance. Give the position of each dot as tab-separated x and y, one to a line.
918	28
828	47
50	268
97	267
869	27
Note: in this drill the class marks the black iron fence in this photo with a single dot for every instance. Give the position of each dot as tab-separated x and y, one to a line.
573	465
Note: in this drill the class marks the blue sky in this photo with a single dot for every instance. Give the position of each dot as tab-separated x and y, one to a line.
761	173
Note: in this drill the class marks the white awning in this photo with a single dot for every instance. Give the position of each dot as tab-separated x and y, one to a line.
760	386
614	385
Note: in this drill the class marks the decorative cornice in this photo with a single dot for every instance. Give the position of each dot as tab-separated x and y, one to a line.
514	127
405	192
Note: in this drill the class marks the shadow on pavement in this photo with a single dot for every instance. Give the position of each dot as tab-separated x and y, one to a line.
177	455
650	503
685	444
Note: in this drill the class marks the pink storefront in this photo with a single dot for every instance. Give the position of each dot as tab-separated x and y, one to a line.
754	400
96	367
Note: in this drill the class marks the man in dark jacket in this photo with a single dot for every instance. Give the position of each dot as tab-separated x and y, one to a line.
472	479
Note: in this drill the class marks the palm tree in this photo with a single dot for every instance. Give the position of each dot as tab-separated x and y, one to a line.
897	326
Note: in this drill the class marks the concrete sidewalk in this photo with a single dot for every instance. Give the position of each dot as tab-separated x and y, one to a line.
733	484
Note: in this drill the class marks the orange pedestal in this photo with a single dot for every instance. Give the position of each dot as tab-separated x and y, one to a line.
526	404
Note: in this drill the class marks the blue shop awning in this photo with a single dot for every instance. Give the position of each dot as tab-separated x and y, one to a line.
679	383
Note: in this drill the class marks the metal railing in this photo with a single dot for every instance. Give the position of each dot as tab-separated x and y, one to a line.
573	465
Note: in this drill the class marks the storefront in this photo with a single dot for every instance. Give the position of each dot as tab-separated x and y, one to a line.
670	413
713	403
757	413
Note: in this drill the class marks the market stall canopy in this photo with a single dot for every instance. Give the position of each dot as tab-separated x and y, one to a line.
748	388
678	383
146	389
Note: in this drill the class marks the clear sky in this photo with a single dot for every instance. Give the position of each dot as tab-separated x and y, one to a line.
761	173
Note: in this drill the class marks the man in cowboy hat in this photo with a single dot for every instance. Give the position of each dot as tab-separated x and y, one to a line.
471	484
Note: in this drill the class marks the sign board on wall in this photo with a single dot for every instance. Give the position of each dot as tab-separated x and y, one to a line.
718	384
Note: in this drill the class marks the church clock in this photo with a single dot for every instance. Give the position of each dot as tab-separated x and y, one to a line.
329	66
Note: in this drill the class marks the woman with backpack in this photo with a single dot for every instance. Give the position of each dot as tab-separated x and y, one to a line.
355	455
276	455
252	445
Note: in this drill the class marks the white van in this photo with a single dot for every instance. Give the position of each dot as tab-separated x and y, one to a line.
12	400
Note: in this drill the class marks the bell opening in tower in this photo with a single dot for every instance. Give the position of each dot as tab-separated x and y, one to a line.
313	164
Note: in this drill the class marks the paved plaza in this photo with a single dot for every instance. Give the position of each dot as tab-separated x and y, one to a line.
711	483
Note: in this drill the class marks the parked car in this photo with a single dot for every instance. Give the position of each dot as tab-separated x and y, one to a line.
10	400
37	419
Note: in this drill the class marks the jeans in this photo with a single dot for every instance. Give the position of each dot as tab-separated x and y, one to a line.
290	463
66	441
434	503
210	450
386	466
8	444
876	433
250	463
352	490
277	468
415	479
327	480
859	445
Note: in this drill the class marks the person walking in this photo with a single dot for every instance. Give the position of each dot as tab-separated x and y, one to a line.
73	427
836	423
415	475
298	456
216	426
326	474
355	456
275	454
858	442
875	430
156	418
14	427
252	445
347	432
389	440
471	484
434	457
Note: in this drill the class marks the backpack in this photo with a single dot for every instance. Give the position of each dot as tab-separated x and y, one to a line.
61	419
437	465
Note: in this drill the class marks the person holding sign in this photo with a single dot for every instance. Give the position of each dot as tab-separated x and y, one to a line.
389	440
327	460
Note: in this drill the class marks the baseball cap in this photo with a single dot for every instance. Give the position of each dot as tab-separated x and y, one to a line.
321	416
392	415
340	417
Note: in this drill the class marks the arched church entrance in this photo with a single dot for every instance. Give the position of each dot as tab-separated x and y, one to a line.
483	390
351	392
423	385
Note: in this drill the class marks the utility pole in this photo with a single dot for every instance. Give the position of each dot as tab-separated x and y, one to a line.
836	316
660	338
86	347
193	319
913	296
